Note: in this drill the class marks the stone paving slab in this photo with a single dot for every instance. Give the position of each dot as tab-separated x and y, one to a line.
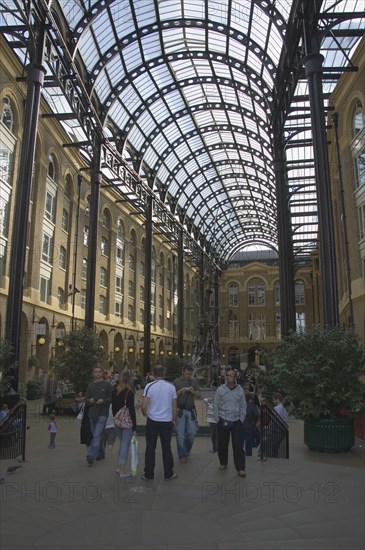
311	501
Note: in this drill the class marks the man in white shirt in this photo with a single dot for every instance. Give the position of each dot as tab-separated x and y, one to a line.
160	407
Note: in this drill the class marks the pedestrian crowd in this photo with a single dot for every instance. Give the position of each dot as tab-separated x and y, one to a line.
107	412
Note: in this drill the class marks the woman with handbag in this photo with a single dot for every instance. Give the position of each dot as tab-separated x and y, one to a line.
124	419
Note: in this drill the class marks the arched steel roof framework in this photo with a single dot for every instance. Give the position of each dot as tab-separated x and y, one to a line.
198	90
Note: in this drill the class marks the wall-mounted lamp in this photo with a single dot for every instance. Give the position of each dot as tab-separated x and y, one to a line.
130	350
41	341
162	352
116	349
101	347
153	352
169	353
60	343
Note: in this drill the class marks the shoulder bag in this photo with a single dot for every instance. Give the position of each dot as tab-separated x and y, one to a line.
123	419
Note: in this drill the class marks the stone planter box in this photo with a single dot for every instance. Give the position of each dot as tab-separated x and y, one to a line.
330	435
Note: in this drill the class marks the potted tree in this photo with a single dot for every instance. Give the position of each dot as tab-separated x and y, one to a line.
319	371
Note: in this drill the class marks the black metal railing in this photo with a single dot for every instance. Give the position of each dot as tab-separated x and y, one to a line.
12	432
274	435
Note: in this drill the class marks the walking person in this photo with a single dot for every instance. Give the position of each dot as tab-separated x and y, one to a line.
249	425
98	395
208	401
52	430
123	396
187	389
229	412
159	405
277	432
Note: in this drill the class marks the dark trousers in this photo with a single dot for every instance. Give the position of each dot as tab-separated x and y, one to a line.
153	430
239	457
213	435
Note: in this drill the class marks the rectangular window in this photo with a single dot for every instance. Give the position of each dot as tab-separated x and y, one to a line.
161	278
131	289
102	305
5	164
118	309
261	294
103	277
361	211
160	301
86	236
47	248
118	284
360	169
84	268
141	293
119	255
65	220
50	207
160	322
141	316
300	321
104	246
83	299
130	313
251	294
256	327
44	289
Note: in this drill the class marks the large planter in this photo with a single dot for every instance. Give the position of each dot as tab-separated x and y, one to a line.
330	435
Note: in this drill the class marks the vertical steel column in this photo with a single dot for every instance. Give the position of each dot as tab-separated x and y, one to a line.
285	241
148	287
73	324
96	177
350	318
180	295
35	78
313	72
216	312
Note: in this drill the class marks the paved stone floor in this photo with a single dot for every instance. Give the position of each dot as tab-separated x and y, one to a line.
312	501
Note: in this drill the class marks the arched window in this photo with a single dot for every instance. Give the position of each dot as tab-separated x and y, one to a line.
358	119
102	305
60	296
256	293
233	295
51	167
120	244
106	219
62	257
277	293
299	292
7	117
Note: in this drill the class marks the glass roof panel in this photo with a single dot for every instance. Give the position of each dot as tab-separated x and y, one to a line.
191	85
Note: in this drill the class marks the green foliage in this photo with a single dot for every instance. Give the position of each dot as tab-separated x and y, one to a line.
80	353
34	389
6	367
319	372
173	366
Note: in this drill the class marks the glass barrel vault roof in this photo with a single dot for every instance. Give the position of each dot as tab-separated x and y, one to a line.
188	90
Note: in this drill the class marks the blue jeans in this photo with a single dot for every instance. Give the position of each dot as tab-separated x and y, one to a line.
97	428
185	429
125	436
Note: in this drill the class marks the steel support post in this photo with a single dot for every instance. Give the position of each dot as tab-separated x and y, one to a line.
35	79
93	246
313	72
180	294
148	288
285	241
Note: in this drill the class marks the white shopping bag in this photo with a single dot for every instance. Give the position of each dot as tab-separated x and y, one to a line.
134	455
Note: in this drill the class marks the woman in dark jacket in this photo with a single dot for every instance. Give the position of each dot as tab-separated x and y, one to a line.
123	395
